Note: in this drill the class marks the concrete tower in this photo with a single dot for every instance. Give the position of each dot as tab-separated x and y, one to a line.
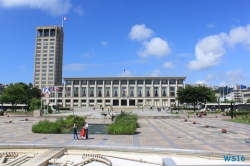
48	56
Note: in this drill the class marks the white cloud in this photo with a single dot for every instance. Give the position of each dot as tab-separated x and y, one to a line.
210	77
211	25
104	43
210	49
140	32
55	7
208	52
155	47
168	65
155	73
239	35
201	82
78	10
73	67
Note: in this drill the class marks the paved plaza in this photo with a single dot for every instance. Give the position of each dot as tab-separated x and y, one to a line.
156	132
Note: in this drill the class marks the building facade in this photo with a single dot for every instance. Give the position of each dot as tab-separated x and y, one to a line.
48	56
117	91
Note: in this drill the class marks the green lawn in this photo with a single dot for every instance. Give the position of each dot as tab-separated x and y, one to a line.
240	119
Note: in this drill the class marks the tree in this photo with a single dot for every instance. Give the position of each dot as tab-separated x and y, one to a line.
196	94
20	93
14	94
248	100
34	104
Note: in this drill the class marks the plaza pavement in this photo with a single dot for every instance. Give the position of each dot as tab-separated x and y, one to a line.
155	133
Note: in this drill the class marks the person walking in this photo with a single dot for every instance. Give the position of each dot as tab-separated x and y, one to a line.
86	127
75	131
83	133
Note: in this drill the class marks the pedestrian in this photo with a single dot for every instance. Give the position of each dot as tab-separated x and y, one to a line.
83	133
75	131
86	127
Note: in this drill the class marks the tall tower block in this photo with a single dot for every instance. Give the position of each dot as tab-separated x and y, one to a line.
48	56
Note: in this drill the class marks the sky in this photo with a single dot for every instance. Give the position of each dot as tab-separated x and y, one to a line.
206	41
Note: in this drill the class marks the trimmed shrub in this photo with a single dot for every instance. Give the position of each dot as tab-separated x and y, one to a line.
238	113
46	126
1	113
59	126
124	124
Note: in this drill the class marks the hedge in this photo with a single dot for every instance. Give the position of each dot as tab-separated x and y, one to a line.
238	113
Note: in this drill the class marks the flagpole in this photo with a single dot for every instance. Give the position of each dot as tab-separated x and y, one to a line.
62	21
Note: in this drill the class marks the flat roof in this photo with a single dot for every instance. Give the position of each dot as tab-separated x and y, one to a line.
134	77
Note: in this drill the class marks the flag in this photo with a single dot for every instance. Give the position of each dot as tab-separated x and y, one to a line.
54	88
125	90
243	87
64	18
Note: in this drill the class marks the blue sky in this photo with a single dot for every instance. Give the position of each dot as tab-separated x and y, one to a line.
207	41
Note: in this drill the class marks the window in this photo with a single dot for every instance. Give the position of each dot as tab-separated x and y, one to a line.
46	32
50	78
38	55
139	94
38	59
51	58
107	92
84	82
38	51
115	92
44	59
164	81
44	74
43	82
50	66
76	91
43	78
68	82
99	92
36	78
140	82
52	43
37	74
83	91
75	82
172	91
99	82
148	91
124	91
115	82
68	92
44	70
180	81
172	81
45	51
156	92
45	47
52	39
131	82
39	40
44	63
51	50
37	70
156	82
107	82
124	82
91	92
91	82
37	62
38	44
148	82
164	91
45	39
44	66
52	33
44	55
50	74
180	88
51	54
131	91
38	47
50	70
51	47
51	62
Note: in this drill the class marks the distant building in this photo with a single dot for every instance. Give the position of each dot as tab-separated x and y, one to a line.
48	56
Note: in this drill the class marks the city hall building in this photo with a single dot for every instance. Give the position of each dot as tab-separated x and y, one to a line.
118	91
95	91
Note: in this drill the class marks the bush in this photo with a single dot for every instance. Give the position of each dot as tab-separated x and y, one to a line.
59	126
124	124
1	113
46	126
63	108
238	113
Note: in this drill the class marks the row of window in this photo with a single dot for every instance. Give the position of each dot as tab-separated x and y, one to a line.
38	59
44	78
44	70
44	83
44	51
44	63
44	47
45	40
44	55
123	92
123	82
45	67
44	74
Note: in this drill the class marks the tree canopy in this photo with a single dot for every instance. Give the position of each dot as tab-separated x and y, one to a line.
19	93
196	94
